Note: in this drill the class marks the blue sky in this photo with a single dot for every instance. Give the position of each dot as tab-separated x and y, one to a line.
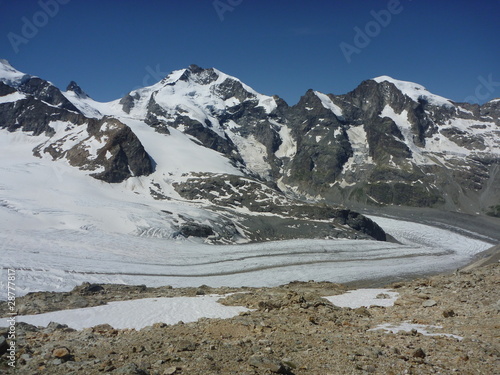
281	47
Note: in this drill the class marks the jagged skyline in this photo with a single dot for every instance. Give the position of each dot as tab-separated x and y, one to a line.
281	48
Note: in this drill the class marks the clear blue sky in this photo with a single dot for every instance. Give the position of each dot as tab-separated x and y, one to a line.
281	47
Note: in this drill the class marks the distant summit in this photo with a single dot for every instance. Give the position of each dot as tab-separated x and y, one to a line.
73	86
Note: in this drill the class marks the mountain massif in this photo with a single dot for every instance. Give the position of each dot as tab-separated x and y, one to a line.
220	161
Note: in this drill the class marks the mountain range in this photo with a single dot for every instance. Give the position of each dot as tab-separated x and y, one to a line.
210	158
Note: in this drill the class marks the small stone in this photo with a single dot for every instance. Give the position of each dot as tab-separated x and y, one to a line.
171	370
62	353
186	346
56	362
448	313
130	369
370	369
267	363
53	326
92	288
419	353
103	328
429	303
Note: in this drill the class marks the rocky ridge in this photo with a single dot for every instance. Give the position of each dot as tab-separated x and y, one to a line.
290	330
387	142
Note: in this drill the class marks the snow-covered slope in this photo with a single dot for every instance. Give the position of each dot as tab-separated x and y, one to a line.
415	91
198	158
420	148
9	75
151	152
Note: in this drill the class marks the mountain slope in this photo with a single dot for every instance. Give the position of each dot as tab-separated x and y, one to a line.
241	164
160	146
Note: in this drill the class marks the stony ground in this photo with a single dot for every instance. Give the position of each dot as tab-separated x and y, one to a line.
292	330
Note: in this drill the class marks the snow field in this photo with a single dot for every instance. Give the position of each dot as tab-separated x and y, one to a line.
137	314
365	298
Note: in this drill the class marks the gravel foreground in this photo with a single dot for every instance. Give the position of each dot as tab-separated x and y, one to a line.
292	330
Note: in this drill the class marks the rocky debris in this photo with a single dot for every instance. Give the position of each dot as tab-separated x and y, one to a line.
196	230
129	369
236	192
120	154
291	329
266	363
172	370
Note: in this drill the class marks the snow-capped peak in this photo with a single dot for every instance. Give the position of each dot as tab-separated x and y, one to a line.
9	75
77	90
415	91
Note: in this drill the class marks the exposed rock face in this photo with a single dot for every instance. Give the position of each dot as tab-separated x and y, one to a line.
235	193
73	86
121	155
386	142
43	110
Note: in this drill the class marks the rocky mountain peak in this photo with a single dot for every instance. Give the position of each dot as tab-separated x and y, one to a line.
386	142
10	75
414	91
73	86
195	69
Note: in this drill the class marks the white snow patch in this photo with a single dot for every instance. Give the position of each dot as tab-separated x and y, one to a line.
137	314
415	91
364	298
9	75
401	120
177	153
408	327
268	103
86	105
288	146
173	77
253	152
14	97
359	143
329	104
